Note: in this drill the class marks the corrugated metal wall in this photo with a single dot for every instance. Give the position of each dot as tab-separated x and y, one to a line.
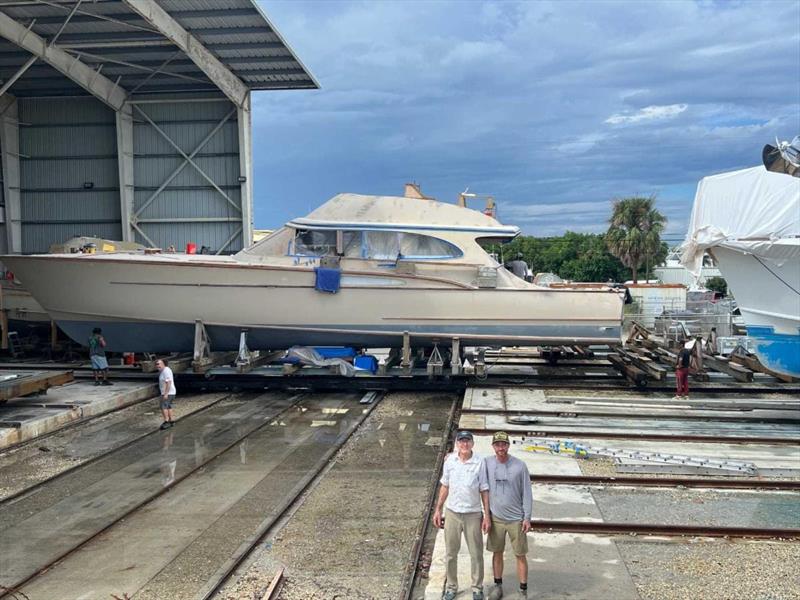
70	178
189	194
68	171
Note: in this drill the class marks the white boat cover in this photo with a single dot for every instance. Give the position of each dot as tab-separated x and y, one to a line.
752	210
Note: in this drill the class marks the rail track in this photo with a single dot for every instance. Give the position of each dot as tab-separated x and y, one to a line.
16	586
678	437
671	482
38	439
650	529
412	570
229	567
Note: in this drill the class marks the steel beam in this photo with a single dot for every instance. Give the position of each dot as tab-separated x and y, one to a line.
217	72
246	171
124	120
9	147
91	80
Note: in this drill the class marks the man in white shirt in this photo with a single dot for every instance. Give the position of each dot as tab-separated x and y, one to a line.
166	387
464	492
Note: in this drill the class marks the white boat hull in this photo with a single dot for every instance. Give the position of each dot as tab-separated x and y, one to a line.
767	291
152	305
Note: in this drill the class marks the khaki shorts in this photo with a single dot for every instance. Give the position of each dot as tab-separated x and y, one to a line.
496	540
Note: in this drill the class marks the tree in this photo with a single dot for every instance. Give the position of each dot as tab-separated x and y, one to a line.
573	256
634	233
717	284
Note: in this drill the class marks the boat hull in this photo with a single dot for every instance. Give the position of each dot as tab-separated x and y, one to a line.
152	306
766	292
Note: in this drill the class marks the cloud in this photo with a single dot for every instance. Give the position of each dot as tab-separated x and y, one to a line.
649	113
553	108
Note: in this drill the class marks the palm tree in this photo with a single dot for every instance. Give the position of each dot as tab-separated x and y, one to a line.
634	233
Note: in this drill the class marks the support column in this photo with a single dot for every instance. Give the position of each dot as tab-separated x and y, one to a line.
246	170
9	145
124	118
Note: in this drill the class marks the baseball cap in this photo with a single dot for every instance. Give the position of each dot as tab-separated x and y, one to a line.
464	435
500	436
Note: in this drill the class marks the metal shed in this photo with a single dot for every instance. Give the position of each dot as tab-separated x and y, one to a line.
130	119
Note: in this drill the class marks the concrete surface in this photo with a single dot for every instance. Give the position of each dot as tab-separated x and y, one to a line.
173	546
36	415
71	509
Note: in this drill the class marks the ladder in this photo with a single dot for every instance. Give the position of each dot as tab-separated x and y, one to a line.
14	344
585	451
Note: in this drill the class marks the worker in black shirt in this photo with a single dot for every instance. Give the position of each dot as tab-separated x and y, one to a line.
682	371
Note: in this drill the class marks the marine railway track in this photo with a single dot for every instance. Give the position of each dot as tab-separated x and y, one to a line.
18	589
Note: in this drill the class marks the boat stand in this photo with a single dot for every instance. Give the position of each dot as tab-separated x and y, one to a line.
435	364
201	358
246	358
455	357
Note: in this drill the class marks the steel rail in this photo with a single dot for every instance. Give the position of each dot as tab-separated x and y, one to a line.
410	573
37	485
712	439
689	482
15	588
211	588
578	414
602	528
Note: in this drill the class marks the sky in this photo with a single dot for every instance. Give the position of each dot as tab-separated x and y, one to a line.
553	108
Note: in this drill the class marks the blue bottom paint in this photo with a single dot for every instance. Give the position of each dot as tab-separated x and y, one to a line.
777	351
124	336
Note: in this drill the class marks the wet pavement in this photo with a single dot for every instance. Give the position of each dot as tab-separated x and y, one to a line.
175	545
57	516
41	459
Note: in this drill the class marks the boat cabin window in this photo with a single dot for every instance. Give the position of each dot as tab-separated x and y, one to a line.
309	242
383	245
375	245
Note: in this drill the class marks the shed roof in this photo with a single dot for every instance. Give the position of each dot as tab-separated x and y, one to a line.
110	36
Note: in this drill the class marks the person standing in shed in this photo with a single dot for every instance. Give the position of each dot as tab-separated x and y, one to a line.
166	387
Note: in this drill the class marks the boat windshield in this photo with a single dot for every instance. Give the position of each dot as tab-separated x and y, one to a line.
374	245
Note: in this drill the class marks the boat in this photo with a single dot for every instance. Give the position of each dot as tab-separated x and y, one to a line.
749	221
358	271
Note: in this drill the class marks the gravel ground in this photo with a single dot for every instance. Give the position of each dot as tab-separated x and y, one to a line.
718	570
352	536
38	460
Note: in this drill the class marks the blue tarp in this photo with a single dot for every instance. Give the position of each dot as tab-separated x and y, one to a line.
328	280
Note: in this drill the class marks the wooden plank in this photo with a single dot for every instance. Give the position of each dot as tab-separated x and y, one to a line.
646	364
724	365
32	383
634	374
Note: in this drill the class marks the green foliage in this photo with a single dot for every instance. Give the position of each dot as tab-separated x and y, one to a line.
634	233
573	256
717	284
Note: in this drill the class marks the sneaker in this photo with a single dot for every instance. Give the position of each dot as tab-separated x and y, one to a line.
97	383
477	595
165	425
106	382
496	591
677	397
449	595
